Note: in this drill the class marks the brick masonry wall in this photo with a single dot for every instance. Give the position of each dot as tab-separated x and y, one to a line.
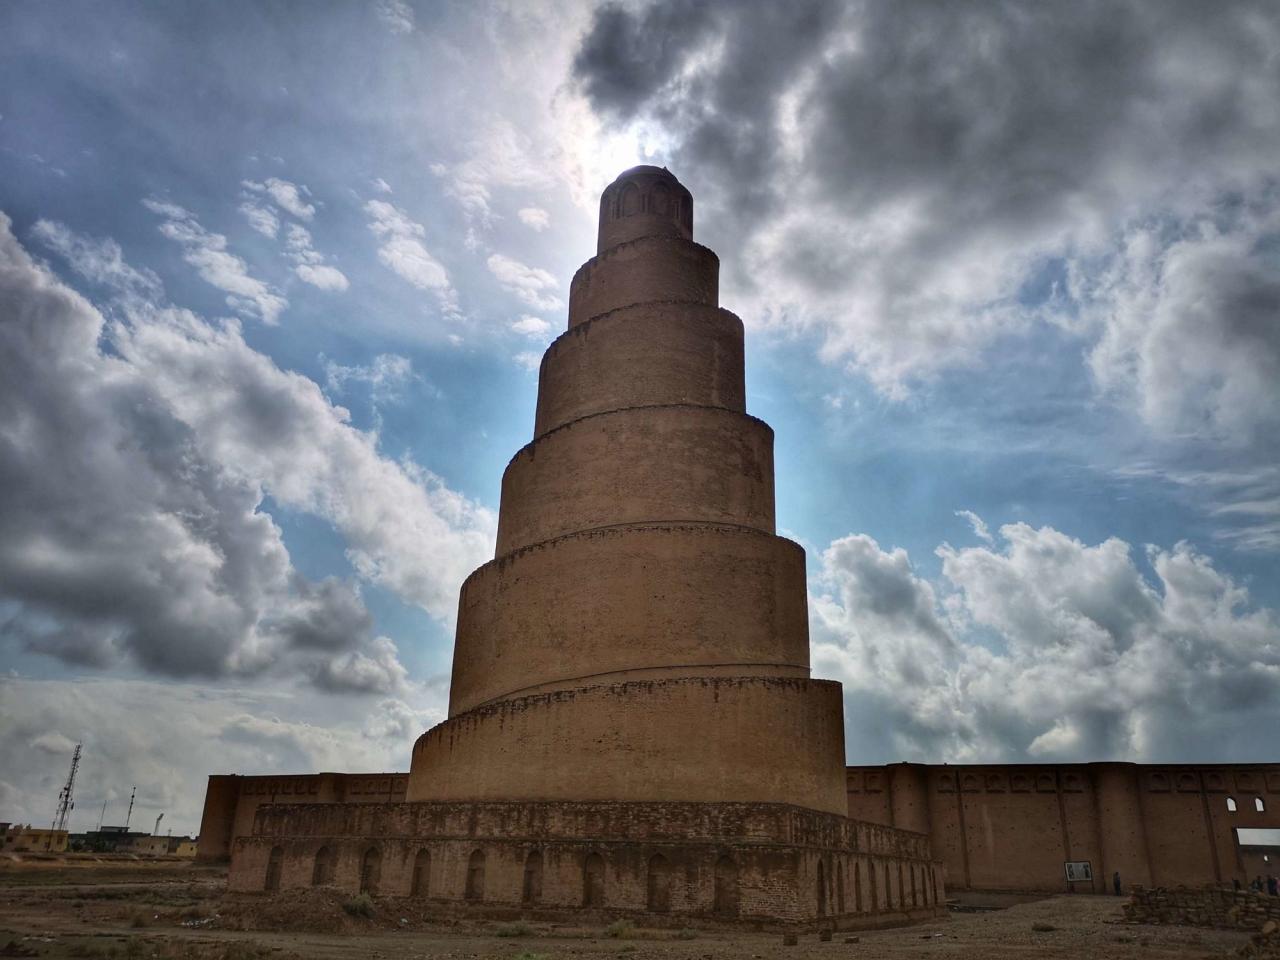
1011	827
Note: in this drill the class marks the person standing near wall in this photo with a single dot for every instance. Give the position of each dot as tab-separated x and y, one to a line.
1271	885
1115	882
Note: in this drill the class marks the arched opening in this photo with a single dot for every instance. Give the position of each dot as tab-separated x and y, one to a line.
370	871
726	887
474	889
822	890
839	888
1231	804
421	885
629	201
857	887
902	889
933	881
1259	805
915	900
660	200
593	881
322	872
275	865
531	890
888	890
659	883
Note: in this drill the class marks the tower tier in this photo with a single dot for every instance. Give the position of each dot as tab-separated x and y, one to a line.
663	352
672	463
670	599
642	271
707	739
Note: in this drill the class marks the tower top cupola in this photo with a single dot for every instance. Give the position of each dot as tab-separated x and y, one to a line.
644	202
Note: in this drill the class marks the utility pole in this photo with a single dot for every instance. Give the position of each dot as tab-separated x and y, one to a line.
65	803
129	815
102	814
155	831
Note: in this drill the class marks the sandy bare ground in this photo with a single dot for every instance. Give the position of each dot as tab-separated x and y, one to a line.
170	910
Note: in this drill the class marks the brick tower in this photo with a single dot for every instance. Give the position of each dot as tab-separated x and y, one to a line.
632	727
642	633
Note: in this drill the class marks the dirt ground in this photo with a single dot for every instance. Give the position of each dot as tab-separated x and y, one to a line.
113	908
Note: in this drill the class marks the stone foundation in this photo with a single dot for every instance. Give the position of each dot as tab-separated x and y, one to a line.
762	864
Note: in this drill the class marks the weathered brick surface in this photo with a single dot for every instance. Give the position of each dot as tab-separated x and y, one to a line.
777	856
1011	827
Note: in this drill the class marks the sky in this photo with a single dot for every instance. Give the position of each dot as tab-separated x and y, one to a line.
275	280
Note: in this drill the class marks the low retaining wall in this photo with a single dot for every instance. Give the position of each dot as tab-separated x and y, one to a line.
1217	907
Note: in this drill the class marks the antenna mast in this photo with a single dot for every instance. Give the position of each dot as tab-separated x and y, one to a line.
129	816
65	803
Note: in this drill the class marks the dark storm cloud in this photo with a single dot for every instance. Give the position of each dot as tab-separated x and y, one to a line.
902	170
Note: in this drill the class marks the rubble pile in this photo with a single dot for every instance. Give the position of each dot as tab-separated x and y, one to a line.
1217	907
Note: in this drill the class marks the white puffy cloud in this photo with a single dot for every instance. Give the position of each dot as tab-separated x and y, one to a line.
531	326
208	253
530	360
290	197
1189	321
534	218
138	454
531	285
403	252
309	264
1039	646
261	217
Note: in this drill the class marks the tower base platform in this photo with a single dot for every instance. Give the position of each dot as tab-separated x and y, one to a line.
762	865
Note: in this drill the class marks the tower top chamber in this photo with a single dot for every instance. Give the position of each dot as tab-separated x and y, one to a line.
644	201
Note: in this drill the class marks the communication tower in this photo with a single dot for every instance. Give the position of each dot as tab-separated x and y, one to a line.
65	803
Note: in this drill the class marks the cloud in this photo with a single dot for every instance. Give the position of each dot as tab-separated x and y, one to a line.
903	178
535	218
500	155
388	374
404	253
207	252
152	441
1188	319
376	671
396	15
99	261
309	265
1042	647
530	360
261	218
380	185
288	196
531	326
980	529
206	729
530	284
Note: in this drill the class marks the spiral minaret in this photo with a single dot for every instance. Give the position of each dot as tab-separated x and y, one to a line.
642	633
